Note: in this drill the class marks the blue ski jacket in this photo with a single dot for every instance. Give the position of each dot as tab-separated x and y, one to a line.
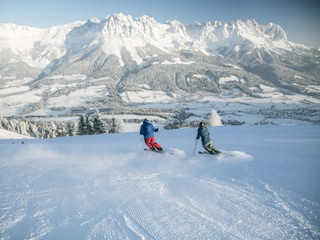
147	129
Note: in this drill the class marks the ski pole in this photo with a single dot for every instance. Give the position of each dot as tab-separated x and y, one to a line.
140	144
194	152
158	140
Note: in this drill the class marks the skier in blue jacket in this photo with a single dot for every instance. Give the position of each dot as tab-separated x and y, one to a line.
206	140
147	130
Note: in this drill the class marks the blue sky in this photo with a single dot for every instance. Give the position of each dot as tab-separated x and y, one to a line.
300	19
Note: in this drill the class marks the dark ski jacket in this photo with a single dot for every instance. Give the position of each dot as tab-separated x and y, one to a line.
147	129
204	134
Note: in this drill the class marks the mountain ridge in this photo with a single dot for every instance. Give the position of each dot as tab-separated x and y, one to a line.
119	26
120	55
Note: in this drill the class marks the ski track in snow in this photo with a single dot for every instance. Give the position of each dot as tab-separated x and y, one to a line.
63	191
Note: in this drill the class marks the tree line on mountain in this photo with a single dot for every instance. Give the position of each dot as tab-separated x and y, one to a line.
212	119
86	125
92	124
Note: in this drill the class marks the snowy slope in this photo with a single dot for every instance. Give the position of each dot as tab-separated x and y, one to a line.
265	186
4	134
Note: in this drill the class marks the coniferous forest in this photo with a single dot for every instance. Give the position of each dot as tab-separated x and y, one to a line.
86	125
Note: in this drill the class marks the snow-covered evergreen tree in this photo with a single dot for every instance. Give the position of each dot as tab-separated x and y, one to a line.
72	128
82	128
89	129
24	126
98	126
115	125
33	131
4	123
52	129
61	130
214	119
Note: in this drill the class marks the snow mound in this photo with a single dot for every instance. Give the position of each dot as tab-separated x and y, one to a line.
179	153
234	156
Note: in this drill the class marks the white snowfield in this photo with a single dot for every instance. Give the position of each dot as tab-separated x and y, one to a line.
4	134
264	186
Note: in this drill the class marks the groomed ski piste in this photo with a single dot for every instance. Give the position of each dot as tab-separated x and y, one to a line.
265	185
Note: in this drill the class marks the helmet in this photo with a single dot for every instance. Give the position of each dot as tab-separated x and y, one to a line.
201	124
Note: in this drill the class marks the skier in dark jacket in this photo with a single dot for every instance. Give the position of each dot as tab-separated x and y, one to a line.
147	130
206	140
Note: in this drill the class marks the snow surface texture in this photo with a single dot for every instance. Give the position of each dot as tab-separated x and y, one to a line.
264	186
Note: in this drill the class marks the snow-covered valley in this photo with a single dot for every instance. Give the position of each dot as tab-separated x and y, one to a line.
271	106
264	186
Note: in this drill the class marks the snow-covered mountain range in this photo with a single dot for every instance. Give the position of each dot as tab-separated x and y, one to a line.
140	38
122	60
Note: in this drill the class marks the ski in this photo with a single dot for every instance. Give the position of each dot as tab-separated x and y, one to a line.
200	152
216	154
147	149
205	152
163	151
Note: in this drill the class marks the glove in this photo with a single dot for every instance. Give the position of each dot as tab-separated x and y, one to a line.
156	130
